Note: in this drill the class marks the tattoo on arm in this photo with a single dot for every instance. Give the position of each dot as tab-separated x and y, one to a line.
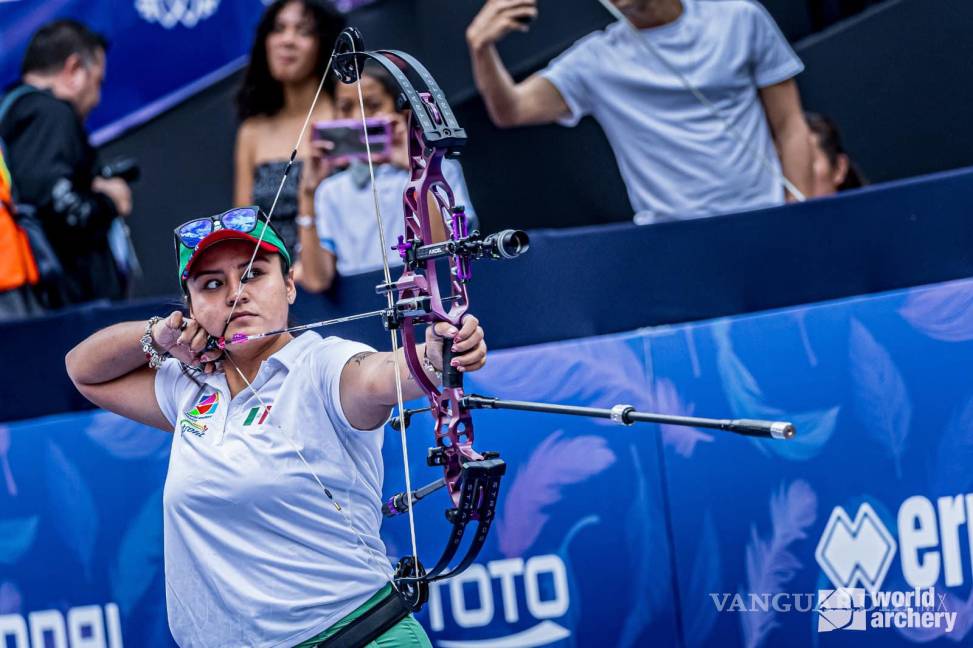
358	357
391	361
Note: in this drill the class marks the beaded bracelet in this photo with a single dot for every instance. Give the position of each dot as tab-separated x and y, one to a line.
154	357
428	366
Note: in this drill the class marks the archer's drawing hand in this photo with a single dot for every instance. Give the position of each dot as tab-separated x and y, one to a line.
185	340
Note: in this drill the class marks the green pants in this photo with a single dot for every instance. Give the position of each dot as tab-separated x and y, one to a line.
406	632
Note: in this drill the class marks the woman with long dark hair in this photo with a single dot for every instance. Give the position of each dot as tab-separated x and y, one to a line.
290	54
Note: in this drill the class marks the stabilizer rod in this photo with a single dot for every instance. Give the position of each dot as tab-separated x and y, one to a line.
627	415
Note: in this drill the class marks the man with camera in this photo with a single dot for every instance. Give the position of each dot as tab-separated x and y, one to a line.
53	166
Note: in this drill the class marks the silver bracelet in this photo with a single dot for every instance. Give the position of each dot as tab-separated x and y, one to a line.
428	366
148	347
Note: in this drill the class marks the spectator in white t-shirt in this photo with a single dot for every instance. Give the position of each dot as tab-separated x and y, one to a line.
344	209
678	158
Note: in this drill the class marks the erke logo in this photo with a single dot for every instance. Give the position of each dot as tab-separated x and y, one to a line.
858	551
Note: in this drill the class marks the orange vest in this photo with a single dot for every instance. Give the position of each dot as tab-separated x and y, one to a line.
17	266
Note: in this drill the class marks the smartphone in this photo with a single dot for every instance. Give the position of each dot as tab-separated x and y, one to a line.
348	138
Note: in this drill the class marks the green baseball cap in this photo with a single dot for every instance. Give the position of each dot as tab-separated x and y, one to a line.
220	228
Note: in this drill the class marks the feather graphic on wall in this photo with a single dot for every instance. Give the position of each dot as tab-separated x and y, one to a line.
8	475
746	399
881	398
126	439
951	471
800	314
704	578
943	312
555	463
10	598
681	438
16	538
770	564
600	372
646	541
139	557
72	506
572	618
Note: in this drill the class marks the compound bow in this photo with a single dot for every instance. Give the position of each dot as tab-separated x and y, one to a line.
436	250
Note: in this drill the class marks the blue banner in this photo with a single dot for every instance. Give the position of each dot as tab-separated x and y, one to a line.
161	51
857	532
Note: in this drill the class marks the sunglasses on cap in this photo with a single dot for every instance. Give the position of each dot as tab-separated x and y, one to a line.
240	219
248	223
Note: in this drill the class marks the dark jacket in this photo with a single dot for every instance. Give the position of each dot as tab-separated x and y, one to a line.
52	165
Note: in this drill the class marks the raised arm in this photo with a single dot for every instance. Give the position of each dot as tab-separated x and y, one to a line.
533	101
782	104
318	265
110	370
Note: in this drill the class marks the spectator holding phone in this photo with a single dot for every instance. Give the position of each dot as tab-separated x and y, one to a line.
290	53
343	236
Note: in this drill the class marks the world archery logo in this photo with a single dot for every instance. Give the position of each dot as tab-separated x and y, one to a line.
205	407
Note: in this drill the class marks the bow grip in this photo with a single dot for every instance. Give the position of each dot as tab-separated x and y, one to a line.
452	377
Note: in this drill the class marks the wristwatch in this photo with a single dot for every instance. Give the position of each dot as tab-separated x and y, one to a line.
304	221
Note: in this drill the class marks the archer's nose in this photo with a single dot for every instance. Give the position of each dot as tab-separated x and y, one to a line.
237	292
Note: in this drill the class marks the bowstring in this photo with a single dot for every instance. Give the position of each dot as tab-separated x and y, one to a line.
369	550
400	401
280	188
728	127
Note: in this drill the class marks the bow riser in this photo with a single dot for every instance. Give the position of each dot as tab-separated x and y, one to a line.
426	200
435	241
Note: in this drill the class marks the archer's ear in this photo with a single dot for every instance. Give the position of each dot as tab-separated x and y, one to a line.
291	286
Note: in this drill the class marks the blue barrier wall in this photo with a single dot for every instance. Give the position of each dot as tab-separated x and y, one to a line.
608	535
594	281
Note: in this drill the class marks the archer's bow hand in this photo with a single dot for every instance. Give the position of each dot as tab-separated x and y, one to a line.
469	349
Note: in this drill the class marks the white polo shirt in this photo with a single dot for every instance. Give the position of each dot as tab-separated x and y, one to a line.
255	552
673	154
344	210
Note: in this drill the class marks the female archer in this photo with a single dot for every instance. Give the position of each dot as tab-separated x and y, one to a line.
272	497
